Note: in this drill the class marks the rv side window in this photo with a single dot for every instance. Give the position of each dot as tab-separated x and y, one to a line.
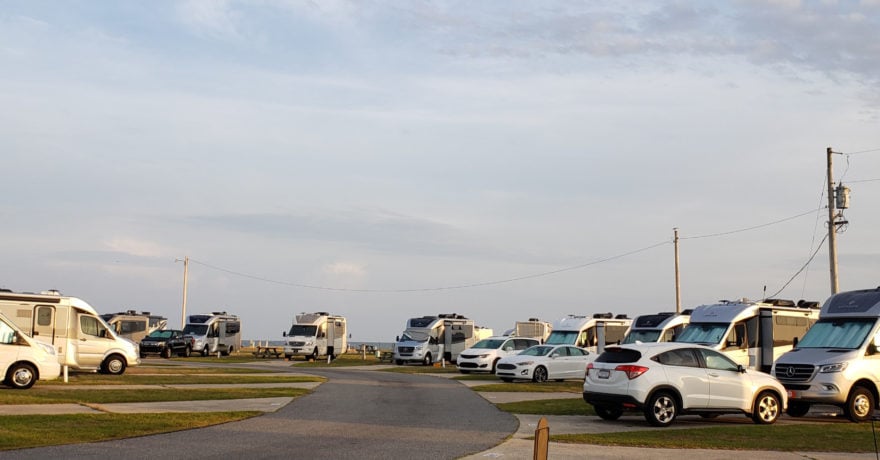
614	334
233	327
44	316
127	327
786	328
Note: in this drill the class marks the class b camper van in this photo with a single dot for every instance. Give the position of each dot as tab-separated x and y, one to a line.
316	334
427	339
658	327
589	332
24	360
81	339
837	362
213	333
753	334
133	325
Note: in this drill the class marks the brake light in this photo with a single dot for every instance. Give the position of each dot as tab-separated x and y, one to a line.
587	373
631	370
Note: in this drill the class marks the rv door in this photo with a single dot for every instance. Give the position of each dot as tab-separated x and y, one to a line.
44	323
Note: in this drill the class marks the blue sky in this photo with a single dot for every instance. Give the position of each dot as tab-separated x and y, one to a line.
386	151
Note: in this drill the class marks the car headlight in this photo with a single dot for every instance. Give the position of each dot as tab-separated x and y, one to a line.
525	363
836	367
417	347
483	356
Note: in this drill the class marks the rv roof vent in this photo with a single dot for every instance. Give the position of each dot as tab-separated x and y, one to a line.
51	292
130	312
323	313
218	312
666	313
145	313
603	315
780	302
5	290
534	319
807	304
687	312
621	316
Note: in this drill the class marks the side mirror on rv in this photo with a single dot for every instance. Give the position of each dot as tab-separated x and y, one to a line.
283	333
794	342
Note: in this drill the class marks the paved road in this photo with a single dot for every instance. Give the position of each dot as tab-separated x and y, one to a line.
355	415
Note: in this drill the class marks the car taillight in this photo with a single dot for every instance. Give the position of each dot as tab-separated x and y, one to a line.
631	370
587	373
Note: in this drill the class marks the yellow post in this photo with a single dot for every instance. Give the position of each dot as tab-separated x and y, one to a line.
542	440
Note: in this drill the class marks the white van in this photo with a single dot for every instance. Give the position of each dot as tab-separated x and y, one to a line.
837	362
82	340
217	332
314	334
23	360
483	355
658	327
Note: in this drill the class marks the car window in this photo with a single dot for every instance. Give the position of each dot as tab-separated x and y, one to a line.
576	351
522	344
715	360
618	355
681	357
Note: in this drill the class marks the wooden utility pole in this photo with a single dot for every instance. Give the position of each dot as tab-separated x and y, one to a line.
185	274
677	275
832	226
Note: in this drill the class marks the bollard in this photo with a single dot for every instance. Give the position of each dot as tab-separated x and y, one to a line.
542	440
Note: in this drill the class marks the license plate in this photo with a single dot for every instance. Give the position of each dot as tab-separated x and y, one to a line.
604	374
792	394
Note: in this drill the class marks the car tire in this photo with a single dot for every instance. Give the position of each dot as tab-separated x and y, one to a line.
113	365
608	412
661	410
205	351
860	404
506	379
166	353
186	352
21	376
797	409
494	363
539	375
464	371
767	408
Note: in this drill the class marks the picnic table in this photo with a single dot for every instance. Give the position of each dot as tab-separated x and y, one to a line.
268	352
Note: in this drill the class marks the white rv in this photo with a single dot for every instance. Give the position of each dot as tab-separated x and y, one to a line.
659	327
133	325
753	334
217	332
24	360
837	361
431	338
533	328
584	332
82	340
316	334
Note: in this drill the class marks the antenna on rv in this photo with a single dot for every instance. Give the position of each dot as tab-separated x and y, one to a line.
765	292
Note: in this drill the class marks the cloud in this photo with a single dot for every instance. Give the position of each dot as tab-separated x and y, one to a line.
351	269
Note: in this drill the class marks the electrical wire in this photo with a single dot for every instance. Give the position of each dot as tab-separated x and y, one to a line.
802	268
859	152
815	229
712	235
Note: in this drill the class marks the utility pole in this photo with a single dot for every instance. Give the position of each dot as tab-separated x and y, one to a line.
677	276
832	226
185	274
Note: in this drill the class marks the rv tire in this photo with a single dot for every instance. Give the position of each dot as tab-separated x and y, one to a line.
113	365
796	409
399	362
21	376
428	361
204	351
860	404
314	356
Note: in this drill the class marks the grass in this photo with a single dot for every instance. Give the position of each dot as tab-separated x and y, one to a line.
58	396
18	432
825	437
568	386
549	407
181	378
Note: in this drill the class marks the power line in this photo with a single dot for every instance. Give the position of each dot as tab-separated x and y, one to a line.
711	235
861	180
860	152
802	268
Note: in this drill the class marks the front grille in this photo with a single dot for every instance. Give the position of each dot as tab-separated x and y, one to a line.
795	387
407	350
297	344
468	356
506	366
787	373
467	365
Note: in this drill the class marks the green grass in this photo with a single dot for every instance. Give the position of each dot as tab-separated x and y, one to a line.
176	379
56	396
572	386
825	437
22	431
549	407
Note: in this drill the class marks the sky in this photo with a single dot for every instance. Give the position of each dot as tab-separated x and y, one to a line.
382	160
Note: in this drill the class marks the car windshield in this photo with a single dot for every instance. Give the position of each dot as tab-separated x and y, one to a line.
196	329
562	338
159	335
538	350
705	333
490	344
302	331
837	333
641	336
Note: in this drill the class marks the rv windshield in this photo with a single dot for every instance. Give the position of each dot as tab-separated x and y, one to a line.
710	333
299	330
641	336
837	333
489	344
562	338
196	329
414	336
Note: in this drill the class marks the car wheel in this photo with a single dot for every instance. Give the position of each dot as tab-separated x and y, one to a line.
464	371
506	379
608	412
428	361
186	352
205	351
661	409
143	355
166	352
796	409
21	376
539	375
494	363
767	408
859	405
113	365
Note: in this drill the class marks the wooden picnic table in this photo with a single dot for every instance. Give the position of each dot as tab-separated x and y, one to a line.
268	352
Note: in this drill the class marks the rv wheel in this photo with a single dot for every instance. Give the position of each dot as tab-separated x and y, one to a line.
428	361
399	362
797	409
21	376
204	351
315	355
859	405
113	365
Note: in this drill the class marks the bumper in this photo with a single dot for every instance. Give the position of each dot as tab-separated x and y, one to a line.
158	349
626	401
817	393
474	365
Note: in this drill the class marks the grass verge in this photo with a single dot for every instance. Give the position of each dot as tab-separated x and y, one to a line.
831	437
573	386
58	396
18	432
549	407
180	378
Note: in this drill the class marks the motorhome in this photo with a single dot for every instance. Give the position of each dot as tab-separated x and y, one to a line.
316	334
586	331
751	333
24	360
533	328
431	338
216	332
133	325
837	362
82	340
657	327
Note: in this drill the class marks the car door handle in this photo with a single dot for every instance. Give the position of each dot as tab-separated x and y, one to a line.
712	374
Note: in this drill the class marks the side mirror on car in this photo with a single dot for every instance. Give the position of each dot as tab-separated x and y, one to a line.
740	368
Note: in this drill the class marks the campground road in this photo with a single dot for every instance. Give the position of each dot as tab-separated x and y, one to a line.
354	415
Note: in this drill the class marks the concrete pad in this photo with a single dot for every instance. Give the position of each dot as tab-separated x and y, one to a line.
46	409
219	405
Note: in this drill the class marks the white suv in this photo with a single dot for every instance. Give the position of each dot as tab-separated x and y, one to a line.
483	356
667	379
